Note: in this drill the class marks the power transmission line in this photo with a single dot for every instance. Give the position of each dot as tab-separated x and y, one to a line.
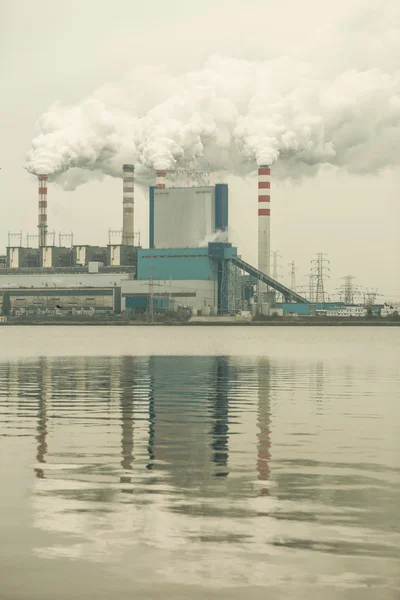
275	265
348	290
311	286
370	296
319	269
292	273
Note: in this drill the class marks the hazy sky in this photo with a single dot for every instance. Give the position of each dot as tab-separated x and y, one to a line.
54	50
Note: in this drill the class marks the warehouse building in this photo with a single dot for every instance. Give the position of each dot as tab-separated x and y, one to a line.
64	301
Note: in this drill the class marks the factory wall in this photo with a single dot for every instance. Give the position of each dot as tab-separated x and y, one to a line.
65	300
55	256
306	309
182	217
83	255
176	263
140	303
220	250
119	255
294	308
41	280
114	255
19	257
194	293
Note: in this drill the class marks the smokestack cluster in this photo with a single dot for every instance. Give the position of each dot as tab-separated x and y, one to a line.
264	217
42	210
160	179
128	179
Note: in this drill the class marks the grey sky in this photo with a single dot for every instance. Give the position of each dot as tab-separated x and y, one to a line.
55	50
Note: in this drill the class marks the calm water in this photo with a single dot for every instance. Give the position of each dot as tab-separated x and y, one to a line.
199	463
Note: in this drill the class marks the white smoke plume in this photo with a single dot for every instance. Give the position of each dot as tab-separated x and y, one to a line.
229	116
219	236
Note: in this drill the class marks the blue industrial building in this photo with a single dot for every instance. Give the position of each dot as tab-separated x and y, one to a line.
306	309
176	263
184	263
189	255
187	264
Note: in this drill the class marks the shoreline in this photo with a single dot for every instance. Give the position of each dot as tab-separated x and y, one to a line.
315	322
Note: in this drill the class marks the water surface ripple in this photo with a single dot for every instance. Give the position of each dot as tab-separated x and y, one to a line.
199	476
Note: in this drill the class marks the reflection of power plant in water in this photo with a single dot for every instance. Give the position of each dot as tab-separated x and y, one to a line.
157	428
127	400
263	421
181	442
220	410
175	415
181	419
44	397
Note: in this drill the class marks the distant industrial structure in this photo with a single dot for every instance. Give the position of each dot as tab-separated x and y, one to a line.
190	263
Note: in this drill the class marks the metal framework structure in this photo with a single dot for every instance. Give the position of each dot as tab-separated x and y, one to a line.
117	233
370	296
289	295
30	237
14	236
231	288
319	268
348	290
275	265
311	286
51	238
68	237
292	274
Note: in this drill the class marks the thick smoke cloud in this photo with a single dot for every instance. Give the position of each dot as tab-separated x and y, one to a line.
231	115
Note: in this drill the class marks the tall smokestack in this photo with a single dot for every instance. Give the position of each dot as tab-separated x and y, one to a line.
128	238
264	212
42	214
160	179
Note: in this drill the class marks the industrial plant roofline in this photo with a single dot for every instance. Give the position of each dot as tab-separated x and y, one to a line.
279	287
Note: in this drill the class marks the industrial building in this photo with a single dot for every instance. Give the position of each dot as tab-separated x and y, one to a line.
190	261
61	301
187	216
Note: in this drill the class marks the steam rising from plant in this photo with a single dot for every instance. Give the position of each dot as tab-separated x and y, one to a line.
228	116
219	236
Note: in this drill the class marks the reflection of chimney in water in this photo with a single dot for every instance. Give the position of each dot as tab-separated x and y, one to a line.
263	421
152	416
220	403
44	396
127	415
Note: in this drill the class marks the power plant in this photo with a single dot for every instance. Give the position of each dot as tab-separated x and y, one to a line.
190	264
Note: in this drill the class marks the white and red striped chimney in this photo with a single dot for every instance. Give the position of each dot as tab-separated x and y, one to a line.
160	179
264	217
42	210
128	181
